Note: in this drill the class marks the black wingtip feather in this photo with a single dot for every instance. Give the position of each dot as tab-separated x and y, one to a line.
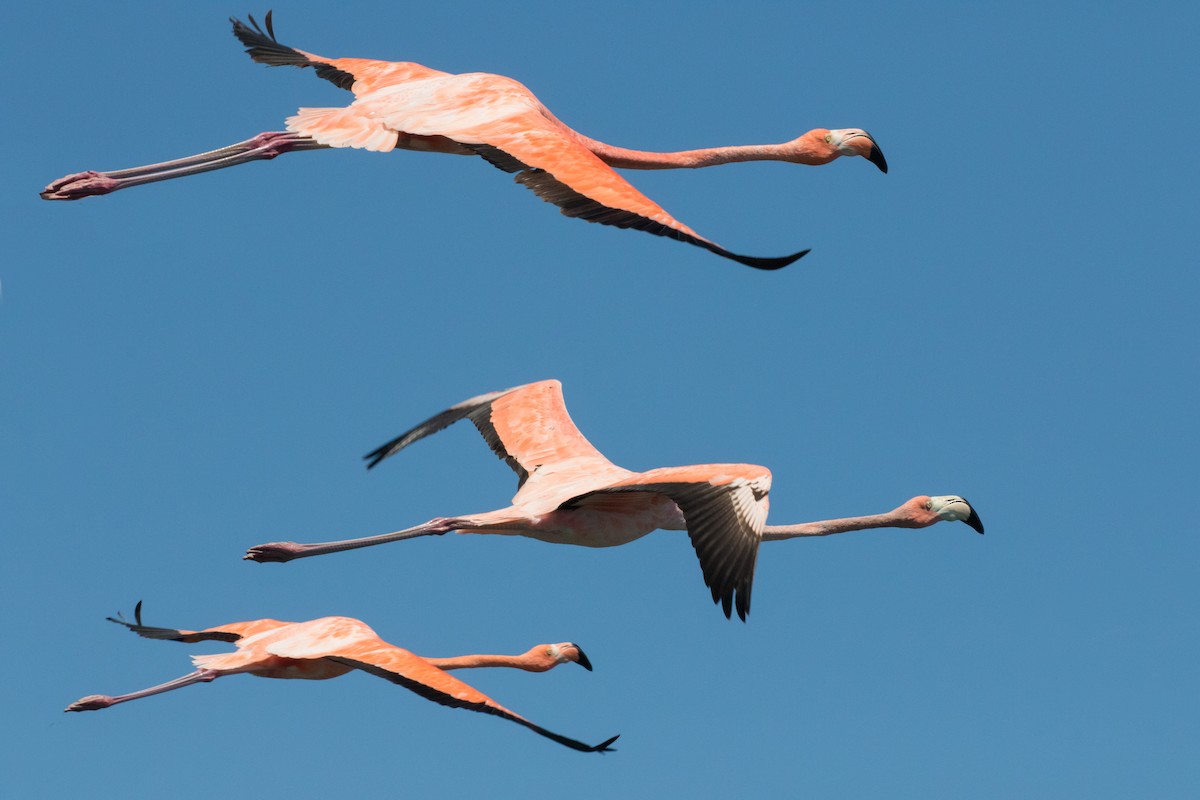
742	604
603	747
264	48
764	263
378	454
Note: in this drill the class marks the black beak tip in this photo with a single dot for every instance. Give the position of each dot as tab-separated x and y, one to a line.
975	522
876	158
583	660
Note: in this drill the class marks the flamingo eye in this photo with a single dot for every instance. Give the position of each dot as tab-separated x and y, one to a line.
928	505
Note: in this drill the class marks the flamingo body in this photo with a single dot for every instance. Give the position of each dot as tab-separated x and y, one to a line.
330	647
569	493
401	105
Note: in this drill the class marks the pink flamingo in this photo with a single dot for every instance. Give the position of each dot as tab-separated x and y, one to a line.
569	493
332	646
402	105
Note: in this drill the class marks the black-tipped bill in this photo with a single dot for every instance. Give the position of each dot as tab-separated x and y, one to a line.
974	521
583	659
876	158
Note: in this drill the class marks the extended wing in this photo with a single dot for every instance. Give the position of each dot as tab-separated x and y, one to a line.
527	426
372	654
725	507
562	171
223	633
502	121
358	75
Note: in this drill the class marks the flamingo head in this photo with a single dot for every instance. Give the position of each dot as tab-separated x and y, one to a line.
856	142
925	510
563	652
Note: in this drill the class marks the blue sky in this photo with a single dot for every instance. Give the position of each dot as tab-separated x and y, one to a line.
195	367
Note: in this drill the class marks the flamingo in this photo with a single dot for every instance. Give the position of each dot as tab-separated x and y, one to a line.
402	105
332	646
569	493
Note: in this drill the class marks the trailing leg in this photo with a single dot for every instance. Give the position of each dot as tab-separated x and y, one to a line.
263	146
95	702
287	551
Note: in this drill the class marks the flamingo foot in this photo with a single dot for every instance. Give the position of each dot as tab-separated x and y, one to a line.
274	552
93	702
80	184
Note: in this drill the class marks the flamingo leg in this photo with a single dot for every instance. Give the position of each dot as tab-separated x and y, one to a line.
286	551
263	146
505	520
95	702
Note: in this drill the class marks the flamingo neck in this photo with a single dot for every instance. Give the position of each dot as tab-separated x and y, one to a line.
828	527
473	661
795	151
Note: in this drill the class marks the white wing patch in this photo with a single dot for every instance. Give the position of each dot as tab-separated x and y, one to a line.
320	638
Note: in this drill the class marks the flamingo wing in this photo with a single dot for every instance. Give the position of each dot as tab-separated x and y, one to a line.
373	655
526	426
725	507
500	119
223	633
358	75
558	168
495	117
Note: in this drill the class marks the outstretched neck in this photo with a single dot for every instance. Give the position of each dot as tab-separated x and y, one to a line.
470	662
828	527
796	151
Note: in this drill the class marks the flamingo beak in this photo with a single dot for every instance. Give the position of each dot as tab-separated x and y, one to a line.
876	158
583	659
974	521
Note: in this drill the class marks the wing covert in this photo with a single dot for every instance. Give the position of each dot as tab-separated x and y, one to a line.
725	507
401	667
526	426
359	75
561	170
222	633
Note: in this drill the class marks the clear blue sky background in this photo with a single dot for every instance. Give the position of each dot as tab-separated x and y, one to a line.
192	368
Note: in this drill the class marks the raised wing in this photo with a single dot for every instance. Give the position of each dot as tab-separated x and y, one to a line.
725	507
401	667
527	426
359	75
223	633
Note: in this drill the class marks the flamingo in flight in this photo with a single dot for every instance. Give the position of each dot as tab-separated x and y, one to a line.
332	646
570	493
407	106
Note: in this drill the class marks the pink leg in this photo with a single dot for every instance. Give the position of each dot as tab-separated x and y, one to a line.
286	551
263	146
95	702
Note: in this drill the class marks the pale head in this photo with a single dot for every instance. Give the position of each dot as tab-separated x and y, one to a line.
950	508
857	142
554	654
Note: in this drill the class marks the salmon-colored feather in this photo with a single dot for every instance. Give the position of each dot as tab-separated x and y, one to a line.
532	425
370	74
332	646
569	493
409	106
